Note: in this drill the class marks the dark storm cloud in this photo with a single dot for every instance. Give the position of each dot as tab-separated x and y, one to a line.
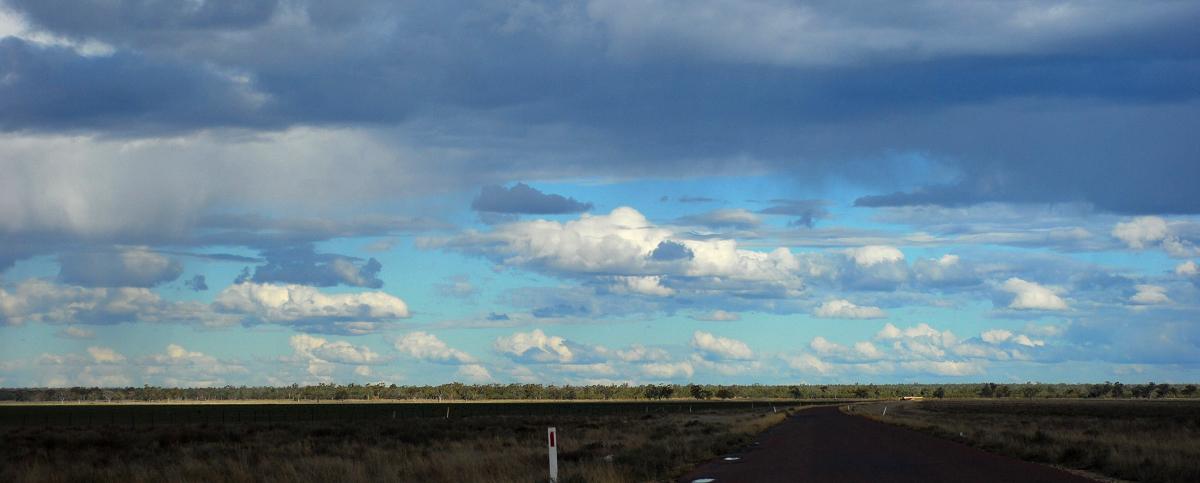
105	18
1010	104
522	198
50	88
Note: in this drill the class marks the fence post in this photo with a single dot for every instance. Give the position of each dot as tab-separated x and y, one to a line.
551	435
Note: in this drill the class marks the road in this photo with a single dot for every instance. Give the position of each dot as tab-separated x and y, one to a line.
823	445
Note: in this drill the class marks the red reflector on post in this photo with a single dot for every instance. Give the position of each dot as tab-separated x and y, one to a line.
551	440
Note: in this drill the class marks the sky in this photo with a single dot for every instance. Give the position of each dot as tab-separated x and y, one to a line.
269	192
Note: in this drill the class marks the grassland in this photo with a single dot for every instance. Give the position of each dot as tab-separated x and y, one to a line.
616	442
1152	441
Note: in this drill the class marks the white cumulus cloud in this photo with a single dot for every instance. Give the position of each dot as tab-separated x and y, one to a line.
535	346
303	305
668	370
1150	295
844	309
428	347
105	355
713	347
875	254
1187	269
1032	296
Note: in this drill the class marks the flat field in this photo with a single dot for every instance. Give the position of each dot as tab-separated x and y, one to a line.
503	442
1138	440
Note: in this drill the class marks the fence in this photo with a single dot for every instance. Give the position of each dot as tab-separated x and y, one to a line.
136	415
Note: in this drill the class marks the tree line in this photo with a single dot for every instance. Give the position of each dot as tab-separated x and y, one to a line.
459	391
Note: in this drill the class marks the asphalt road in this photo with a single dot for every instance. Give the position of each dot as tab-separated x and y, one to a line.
823	445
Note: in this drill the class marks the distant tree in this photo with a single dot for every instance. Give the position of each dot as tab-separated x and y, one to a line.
1189	390
1003	391
724	393
861	392
699	392
1162	390
939	393
1029	391
659	392
796	393
988	390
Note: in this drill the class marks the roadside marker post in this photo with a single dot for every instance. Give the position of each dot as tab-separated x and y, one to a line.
552	439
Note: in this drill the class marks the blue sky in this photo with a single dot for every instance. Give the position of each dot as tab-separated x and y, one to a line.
603	191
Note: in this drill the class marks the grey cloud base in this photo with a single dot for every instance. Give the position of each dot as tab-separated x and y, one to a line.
1082	108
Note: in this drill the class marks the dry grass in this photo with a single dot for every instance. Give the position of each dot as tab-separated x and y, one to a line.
593	448
1155	441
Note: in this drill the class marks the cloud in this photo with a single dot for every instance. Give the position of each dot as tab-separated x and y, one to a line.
644	285
948	270
996	336
1031	296
122	267
306	308
917	350
860	351
535	346
522	199
874	255
944	368
809	364
105	355
1150	295
458	286
428	347
35	300
179	367
640	353
302	265
1001	336
196	283
128	88
1146	231
668	251
131	18
718	316
735	218
808	211
844	309
474	373
1141	231
668	370
716	348
625	243
1188	269
801	81
340	351
74	332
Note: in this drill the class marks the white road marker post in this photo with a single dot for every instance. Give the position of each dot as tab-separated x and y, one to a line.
885	410
552	439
